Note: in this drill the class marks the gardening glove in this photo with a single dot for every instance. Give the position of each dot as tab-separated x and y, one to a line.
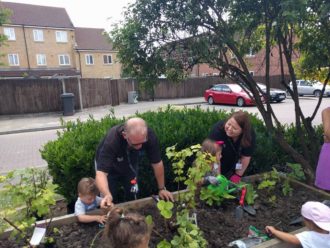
211	180
235	178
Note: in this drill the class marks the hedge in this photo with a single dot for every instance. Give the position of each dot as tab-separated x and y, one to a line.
71	156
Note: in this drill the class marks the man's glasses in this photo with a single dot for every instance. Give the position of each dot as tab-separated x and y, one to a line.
136	144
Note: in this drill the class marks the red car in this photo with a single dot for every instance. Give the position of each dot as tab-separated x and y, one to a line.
228	94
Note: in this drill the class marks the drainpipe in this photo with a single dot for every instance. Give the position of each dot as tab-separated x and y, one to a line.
26	49
80	68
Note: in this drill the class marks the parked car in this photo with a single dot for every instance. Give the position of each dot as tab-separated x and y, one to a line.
228	94
307	87
276	95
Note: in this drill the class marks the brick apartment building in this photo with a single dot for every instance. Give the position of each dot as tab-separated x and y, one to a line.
43	42
255	62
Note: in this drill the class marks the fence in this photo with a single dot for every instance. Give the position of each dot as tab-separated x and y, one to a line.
20	96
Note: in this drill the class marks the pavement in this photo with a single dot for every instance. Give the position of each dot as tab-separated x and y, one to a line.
10	124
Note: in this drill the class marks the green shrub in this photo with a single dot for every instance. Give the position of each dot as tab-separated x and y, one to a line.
71	156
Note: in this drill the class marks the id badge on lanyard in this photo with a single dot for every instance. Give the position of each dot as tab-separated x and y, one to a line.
238	165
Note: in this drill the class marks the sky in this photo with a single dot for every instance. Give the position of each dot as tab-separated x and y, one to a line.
86	13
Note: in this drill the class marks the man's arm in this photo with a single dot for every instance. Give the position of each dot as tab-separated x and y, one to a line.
101	180
160	178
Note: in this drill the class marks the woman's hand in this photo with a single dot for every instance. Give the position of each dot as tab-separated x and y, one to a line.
235	178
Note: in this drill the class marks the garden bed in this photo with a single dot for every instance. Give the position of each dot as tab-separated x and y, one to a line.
219	224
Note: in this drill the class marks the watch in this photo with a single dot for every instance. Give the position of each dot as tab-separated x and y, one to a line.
163	188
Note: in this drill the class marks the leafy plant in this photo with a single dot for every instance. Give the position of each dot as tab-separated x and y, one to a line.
297	171
286	188
251	194
33	190
165	208
188	233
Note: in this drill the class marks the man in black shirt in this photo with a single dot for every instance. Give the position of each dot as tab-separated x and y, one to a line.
117	160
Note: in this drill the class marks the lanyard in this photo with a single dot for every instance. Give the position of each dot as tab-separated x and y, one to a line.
134	170
237	152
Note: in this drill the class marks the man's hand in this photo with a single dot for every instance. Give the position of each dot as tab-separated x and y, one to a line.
211	180
165	195
106	202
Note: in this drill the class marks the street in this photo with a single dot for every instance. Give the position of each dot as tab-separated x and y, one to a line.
21	150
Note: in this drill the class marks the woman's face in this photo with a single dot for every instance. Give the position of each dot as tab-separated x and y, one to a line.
232	128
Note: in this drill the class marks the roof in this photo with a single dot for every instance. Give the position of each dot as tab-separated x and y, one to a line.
92	39
36	15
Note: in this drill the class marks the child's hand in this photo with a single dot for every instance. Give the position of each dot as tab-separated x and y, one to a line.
101	219
270	230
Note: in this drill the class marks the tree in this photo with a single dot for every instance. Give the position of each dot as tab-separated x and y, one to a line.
158	33
4	15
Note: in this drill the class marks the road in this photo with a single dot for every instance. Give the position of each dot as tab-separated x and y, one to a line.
21	150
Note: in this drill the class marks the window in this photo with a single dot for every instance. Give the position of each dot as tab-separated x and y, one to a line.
107	59
41	59
61	36
251	73
64	59
13	59
10	33
38	35
251	53
89	59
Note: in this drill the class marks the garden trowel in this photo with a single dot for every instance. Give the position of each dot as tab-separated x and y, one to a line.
242	207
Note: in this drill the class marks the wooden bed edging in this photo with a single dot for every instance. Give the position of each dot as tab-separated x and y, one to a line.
71	218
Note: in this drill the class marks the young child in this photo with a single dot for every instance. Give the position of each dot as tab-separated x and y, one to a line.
126	230
317	220
214	148
87	201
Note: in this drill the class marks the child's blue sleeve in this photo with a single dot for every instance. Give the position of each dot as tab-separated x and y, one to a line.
79	208
98	200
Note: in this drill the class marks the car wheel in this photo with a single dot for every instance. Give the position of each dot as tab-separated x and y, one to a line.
317	93
279	100
210	100
240	102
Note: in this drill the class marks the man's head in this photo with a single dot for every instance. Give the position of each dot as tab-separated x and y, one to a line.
135	132
87	190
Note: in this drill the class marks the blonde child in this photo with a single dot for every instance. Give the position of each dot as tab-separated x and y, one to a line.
128	230
87	201
214	148
317	220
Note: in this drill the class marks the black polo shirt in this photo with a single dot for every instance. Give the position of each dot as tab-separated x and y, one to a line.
113	151
231	151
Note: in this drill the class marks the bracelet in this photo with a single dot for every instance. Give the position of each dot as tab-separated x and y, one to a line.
163	188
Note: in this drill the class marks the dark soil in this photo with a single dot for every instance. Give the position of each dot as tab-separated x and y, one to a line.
218	223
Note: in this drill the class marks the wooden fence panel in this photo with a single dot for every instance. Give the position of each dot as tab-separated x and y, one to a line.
19	96
29	96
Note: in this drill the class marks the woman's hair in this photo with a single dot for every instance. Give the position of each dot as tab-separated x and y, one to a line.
210	146
87	186
243	120
127	230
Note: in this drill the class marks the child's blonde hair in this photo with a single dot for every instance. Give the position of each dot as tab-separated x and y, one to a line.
87	186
